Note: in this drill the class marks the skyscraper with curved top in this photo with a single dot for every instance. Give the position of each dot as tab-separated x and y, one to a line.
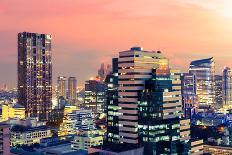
204	71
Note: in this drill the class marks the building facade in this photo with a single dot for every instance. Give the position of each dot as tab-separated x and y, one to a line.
204	71
188	93
95	96
4	139
72	89
218	91
227	86
35	74
25	135
61	86
149	104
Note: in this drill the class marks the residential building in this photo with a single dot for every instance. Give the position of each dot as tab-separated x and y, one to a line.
35	74
72	89
61	86
204	71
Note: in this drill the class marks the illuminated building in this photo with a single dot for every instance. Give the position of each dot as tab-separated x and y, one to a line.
77	121
149	104
86	140
188	93
204	71
25	135
4	139
35	74
95	96
227	86
218	91
61	86
72	89
12	111
197	147
112	103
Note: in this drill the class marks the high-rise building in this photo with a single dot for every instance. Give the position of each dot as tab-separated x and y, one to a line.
61	86
95	96
103	71
35	74
218	91
149	104
204	71
112	103
188	93
227	86
72	89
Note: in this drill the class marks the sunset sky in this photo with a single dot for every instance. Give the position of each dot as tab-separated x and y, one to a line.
89	32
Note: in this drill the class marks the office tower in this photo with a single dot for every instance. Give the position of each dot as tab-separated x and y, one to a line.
61	86
148	104
227	86
204	71
188	93
95	91
112	103
218	91
35	74
72	89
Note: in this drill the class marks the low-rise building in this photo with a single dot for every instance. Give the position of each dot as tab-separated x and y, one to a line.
83	141
217	150
25	135
12	111
117	149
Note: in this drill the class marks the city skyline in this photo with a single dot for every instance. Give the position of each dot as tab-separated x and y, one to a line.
194	27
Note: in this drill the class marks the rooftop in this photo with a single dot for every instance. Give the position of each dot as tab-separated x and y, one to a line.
117	147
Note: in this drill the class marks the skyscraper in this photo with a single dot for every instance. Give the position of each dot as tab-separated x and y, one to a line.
204	70
61	86
218	91
104	71
188	92
35	74
72	89
112	103
227	86
149	104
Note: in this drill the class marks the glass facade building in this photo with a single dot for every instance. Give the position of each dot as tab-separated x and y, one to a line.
35	74
204	71
218	91
227	86
188	93
149	104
